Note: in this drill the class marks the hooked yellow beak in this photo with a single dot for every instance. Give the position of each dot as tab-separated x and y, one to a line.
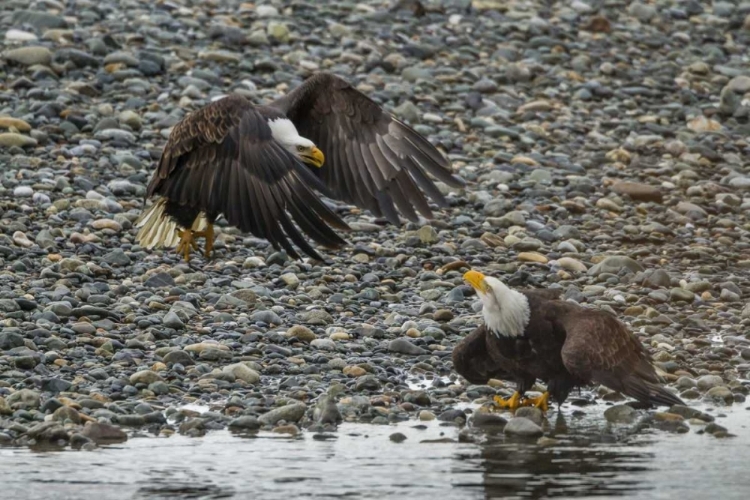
476	280
315	157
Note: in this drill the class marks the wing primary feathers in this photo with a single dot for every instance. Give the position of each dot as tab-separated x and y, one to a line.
386	205
423	145
417	197
401	198
368	158
367	150
319	232
428	187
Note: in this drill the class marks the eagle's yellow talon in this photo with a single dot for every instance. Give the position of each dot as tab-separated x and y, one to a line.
540	402
512	403
209	235
187	241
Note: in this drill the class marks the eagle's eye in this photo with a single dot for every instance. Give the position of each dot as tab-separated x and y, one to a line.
301	148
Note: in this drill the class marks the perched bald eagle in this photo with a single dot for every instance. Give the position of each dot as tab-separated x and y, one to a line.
261	166
531	334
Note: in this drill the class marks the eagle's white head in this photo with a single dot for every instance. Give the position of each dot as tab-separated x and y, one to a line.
506	312
284	131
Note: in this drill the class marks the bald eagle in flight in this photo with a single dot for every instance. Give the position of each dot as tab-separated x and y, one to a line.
531	334
262	167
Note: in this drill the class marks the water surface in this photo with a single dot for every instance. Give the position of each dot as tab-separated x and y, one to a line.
591	460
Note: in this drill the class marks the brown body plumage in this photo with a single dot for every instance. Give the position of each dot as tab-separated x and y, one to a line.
239	160
561	343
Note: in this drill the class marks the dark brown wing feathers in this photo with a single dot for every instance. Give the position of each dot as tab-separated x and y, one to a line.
600	348
474	362
372	160
224	160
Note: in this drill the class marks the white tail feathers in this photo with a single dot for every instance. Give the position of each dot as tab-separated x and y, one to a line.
158	230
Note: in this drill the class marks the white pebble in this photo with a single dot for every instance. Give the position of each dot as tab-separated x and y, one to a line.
23	192
40	198
13	35
93	195
266	11
432	117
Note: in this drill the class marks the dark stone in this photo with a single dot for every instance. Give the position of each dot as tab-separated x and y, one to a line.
159	280
10	340
397	437
451	415
56	385
245	423
482	419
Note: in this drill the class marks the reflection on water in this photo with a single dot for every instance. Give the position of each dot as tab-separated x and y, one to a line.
588	459
596	464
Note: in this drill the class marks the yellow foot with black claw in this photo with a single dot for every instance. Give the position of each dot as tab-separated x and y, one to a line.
512	403
540	402
209	235
187	242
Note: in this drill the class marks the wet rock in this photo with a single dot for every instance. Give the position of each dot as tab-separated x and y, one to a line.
79	441
483	419
397	437
534	414
66	414
51	432
690	413
245	423
452	415
707	382
289	413
426	415
720	394
620	414
103	433
522	427
326	411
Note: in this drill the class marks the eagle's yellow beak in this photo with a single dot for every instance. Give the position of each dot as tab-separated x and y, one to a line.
476	280
315	157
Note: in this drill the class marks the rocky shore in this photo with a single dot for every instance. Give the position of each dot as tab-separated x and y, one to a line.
605	148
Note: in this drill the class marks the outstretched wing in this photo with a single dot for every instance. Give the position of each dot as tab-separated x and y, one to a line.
223	159
600	348
373	160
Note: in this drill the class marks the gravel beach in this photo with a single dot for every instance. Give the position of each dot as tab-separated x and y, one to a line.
604	144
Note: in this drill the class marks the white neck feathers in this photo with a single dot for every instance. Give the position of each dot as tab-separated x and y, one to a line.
506	312
284	131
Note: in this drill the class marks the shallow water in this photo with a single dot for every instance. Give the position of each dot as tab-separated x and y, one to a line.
592	460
